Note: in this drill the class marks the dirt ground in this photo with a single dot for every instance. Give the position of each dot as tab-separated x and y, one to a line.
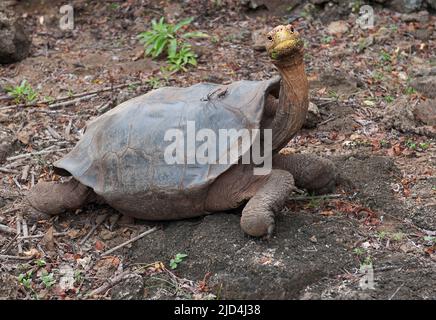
382	216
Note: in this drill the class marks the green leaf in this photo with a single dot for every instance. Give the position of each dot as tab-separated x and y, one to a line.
183	23
172	48
159	47
195	34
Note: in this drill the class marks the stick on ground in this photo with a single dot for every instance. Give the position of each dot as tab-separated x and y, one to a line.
130	241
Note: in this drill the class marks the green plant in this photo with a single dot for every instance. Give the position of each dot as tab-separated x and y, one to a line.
378	76
22	93
424	145
154	82
366	262
393	27
48	279
384	143
381	235
430	239
26	279
179	59
398	236
177	259
359	251
78	277
389	99
327	39
333	94
114	6
411	144
41	263
410	90
164	36
167	38
385	57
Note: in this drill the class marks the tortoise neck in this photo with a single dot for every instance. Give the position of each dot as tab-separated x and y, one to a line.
293	101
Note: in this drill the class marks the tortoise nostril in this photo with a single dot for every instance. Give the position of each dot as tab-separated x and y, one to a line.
270	38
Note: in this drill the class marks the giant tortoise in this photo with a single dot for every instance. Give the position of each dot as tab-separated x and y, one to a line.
121	157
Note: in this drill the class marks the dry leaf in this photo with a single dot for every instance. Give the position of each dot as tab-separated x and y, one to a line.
48	240
99	246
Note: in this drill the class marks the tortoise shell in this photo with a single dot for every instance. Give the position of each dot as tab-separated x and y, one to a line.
121	154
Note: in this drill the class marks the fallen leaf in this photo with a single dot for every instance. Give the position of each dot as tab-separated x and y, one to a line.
48	240
99	246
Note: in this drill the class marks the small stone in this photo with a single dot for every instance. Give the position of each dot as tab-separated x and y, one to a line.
14	40
337	27
407	247
425	112
131	288
432	4
406	6
382	35
313	239
421	16
258	37
107	235
425	85
313	116
422	34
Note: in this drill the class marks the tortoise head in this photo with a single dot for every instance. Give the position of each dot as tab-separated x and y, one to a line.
283	42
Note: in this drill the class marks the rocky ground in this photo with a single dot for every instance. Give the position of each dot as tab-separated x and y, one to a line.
373	113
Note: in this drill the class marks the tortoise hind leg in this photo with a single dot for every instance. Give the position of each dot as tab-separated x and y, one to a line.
55	197
258	215
316	174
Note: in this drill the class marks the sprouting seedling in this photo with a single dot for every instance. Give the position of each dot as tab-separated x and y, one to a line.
177	259
22	93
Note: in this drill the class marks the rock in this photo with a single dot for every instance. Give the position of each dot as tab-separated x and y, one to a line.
421	17
432	4
406	6
318	1
333	12
425	85
7	143
9	286
278	7
383	34
258	37
403	116
425	112
422	34
14	40
313	116
131	288
337	27
423	72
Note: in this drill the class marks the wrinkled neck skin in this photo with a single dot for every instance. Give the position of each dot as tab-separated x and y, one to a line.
293	100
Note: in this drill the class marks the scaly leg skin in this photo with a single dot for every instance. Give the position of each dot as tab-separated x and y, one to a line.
55	197
258	215
317	175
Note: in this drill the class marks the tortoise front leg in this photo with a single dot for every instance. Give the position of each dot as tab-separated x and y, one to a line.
316	174
55	197
258	215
